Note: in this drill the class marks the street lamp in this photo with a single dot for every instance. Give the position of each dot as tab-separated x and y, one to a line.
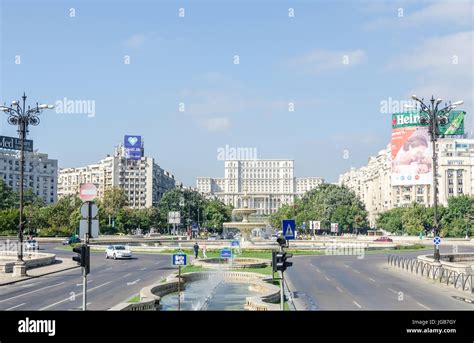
22	117
434	117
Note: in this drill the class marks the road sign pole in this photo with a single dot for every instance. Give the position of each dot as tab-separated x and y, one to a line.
179	288
282	292
84	283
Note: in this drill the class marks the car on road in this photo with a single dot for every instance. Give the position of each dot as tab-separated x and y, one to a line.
384	239
71	240
31	244
118	251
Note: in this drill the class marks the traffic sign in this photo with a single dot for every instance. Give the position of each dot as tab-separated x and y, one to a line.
178	260
85	210
84	228
437	240
288	226
226	253
195	227
334	227
88	192
235	243
174	217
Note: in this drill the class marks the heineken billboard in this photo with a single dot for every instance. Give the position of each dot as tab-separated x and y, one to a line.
454	126
13	143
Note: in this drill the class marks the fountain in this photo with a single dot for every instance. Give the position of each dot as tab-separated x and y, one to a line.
245	226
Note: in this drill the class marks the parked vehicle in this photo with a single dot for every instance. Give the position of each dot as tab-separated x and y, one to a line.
383	239
118	251
31	244
71	240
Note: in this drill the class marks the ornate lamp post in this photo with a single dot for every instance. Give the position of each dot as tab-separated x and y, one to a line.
434	117
22	117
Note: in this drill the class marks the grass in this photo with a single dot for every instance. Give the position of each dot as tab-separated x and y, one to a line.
134	299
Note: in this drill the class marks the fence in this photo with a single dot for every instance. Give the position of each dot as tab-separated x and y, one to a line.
458	280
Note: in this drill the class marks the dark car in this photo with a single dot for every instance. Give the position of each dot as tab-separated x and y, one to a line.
383	239
71	240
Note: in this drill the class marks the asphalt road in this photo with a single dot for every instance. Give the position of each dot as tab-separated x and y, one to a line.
348	283
109	283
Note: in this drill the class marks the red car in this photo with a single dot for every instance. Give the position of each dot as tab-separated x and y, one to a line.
383	239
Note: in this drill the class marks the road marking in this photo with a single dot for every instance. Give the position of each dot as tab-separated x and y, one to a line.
371	279
328	279
107	268
36	290
391	290
425	307
317	270
358	272
355	303
127	275
30	284
133	282
340	290
80	284
67	299
346	266
11	308
143	268
80	307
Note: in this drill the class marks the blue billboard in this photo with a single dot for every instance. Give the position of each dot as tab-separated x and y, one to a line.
133	147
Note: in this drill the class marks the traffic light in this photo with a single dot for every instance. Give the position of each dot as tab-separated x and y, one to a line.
83	257
281	262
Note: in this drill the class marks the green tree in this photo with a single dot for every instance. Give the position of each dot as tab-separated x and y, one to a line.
7	196
457	220
329	204
9	221
216	213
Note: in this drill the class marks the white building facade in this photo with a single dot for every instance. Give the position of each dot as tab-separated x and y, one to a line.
143	181
269	184
372	183
40	173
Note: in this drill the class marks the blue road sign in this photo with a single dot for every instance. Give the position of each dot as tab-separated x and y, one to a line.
235	243
288	226
437	240
178	260
226	253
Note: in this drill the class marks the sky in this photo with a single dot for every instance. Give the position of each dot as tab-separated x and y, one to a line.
303	80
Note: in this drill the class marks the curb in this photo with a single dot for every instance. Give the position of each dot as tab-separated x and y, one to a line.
37	276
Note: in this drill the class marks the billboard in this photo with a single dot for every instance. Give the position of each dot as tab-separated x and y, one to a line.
411	151
454	126
133	147
13	143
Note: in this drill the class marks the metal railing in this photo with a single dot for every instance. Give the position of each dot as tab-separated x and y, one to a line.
458	280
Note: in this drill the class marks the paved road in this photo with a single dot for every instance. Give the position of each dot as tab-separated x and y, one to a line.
110	282
349	283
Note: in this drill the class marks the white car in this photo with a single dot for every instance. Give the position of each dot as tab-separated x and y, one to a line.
31	244
118	251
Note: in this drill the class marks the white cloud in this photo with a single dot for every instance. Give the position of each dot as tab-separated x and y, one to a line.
457	13
434	70
320	60
135	41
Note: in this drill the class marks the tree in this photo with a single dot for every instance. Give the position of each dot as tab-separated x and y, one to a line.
216	213
456	221
9	221
7	196
329	204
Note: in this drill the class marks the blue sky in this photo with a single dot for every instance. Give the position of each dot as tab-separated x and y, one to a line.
336	61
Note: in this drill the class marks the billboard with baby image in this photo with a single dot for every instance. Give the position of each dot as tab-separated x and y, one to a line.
411	151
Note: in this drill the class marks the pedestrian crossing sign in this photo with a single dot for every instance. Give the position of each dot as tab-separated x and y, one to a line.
288	226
